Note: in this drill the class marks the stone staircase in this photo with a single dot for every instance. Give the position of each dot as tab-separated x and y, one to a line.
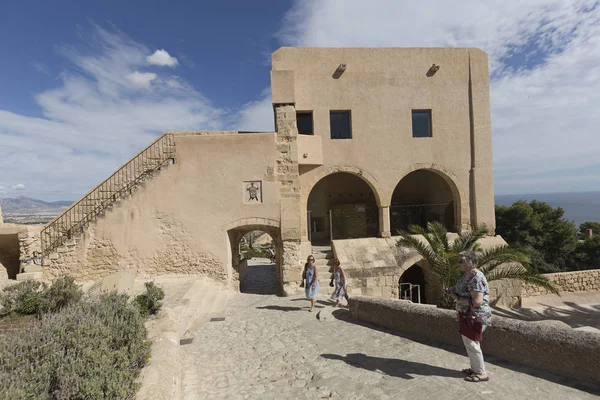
121	184
324	263
195	300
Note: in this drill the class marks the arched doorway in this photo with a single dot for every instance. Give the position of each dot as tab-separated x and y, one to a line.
412	285
258	267
424	196
9	256
253	269
341	206
417	272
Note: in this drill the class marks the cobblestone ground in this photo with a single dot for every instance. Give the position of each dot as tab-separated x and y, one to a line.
271	348
260	278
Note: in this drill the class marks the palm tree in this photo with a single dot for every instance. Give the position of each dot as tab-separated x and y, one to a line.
442	257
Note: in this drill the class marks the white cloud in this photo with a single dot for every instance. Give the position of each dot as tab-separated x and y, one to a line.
544	114
257	115
141	79
95	119
19	186
162	58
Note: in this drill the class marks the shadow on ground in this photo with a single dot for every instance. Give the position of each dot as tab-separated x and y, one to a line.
281	308
344	315
571	313
393	367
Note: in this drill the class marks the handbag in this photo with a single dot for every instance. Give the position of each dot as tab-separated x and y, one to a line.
331	283
469	326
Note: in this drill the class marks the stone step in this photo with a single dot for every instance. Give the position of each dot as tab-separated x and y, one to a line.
215	310
323	262
26	276
321	249
195	289
324	270
323	256
196	300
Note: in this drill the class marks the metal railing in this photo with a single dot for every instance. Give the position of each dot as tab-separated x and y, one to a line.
121	183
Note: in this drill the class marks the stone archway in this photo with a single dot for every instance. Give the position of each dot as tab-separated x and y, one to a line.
431	285
10	253
424	195
342	205
374	186
236	231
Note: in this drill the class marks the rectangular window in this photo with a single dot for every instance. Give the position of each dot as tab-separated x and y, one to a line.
340	125
421	123
304	121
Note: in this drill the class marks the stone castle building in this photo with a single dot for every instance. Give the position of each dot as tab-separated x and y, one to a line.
366	142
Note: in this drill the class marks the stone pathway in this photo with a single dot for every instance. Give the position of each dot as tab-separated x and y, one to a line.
261	277
271	348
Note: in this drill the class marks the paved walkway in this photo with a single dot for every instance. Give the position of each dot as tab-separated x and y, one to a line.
271	348
578	310
261	277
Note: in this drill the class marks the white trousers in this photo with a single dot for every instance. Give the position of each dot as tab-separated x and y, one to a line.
475	354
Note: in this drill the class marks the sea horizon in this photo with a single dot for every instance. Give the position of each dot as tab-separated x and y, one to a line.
579	207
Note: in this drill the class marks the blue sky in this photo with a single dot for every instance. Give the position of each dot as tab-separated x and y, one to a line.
85	85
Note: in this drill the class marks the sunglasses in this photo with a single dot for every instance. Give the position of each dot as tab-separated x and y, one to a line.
311	259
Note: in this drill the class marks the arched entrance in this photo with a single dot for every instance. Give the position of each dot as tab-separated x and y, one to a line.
412	285
258	267
424	196
9	256
416	272
252	270
341	206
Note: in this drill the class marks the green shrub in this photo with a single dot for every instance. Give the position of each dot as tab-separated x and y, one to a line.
33	297
255	253
23	298
93	349
150	302
63	292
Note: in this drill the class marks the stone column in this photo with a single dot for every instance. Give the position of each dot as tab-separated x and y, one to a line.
286	172
384	221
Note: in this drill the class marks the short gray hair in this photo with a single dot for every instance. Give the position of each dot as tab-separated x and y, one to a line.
470	257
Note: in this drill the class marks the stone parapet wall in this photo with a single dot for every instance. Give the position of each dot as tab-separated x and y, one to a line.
567	282
547	345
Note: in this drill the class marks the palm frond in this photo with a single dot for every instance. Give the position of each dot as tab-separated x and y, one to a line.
424	250
523	274
467	240
433	241
489	259
437	262
440	233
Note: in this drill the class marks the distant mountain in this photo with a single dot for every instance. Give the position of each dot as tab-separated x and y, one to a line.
28	205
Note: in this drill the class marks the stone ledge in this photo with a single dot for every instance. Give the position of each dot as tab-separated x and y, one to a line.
546	346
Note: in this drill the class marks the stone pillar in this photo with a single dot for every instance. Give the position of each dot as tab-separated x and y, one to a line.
384	221
286	172
481	185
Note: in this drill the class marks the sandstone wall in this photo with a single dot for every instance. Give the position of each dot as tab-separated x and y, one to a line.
575	281
546	345
178	221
